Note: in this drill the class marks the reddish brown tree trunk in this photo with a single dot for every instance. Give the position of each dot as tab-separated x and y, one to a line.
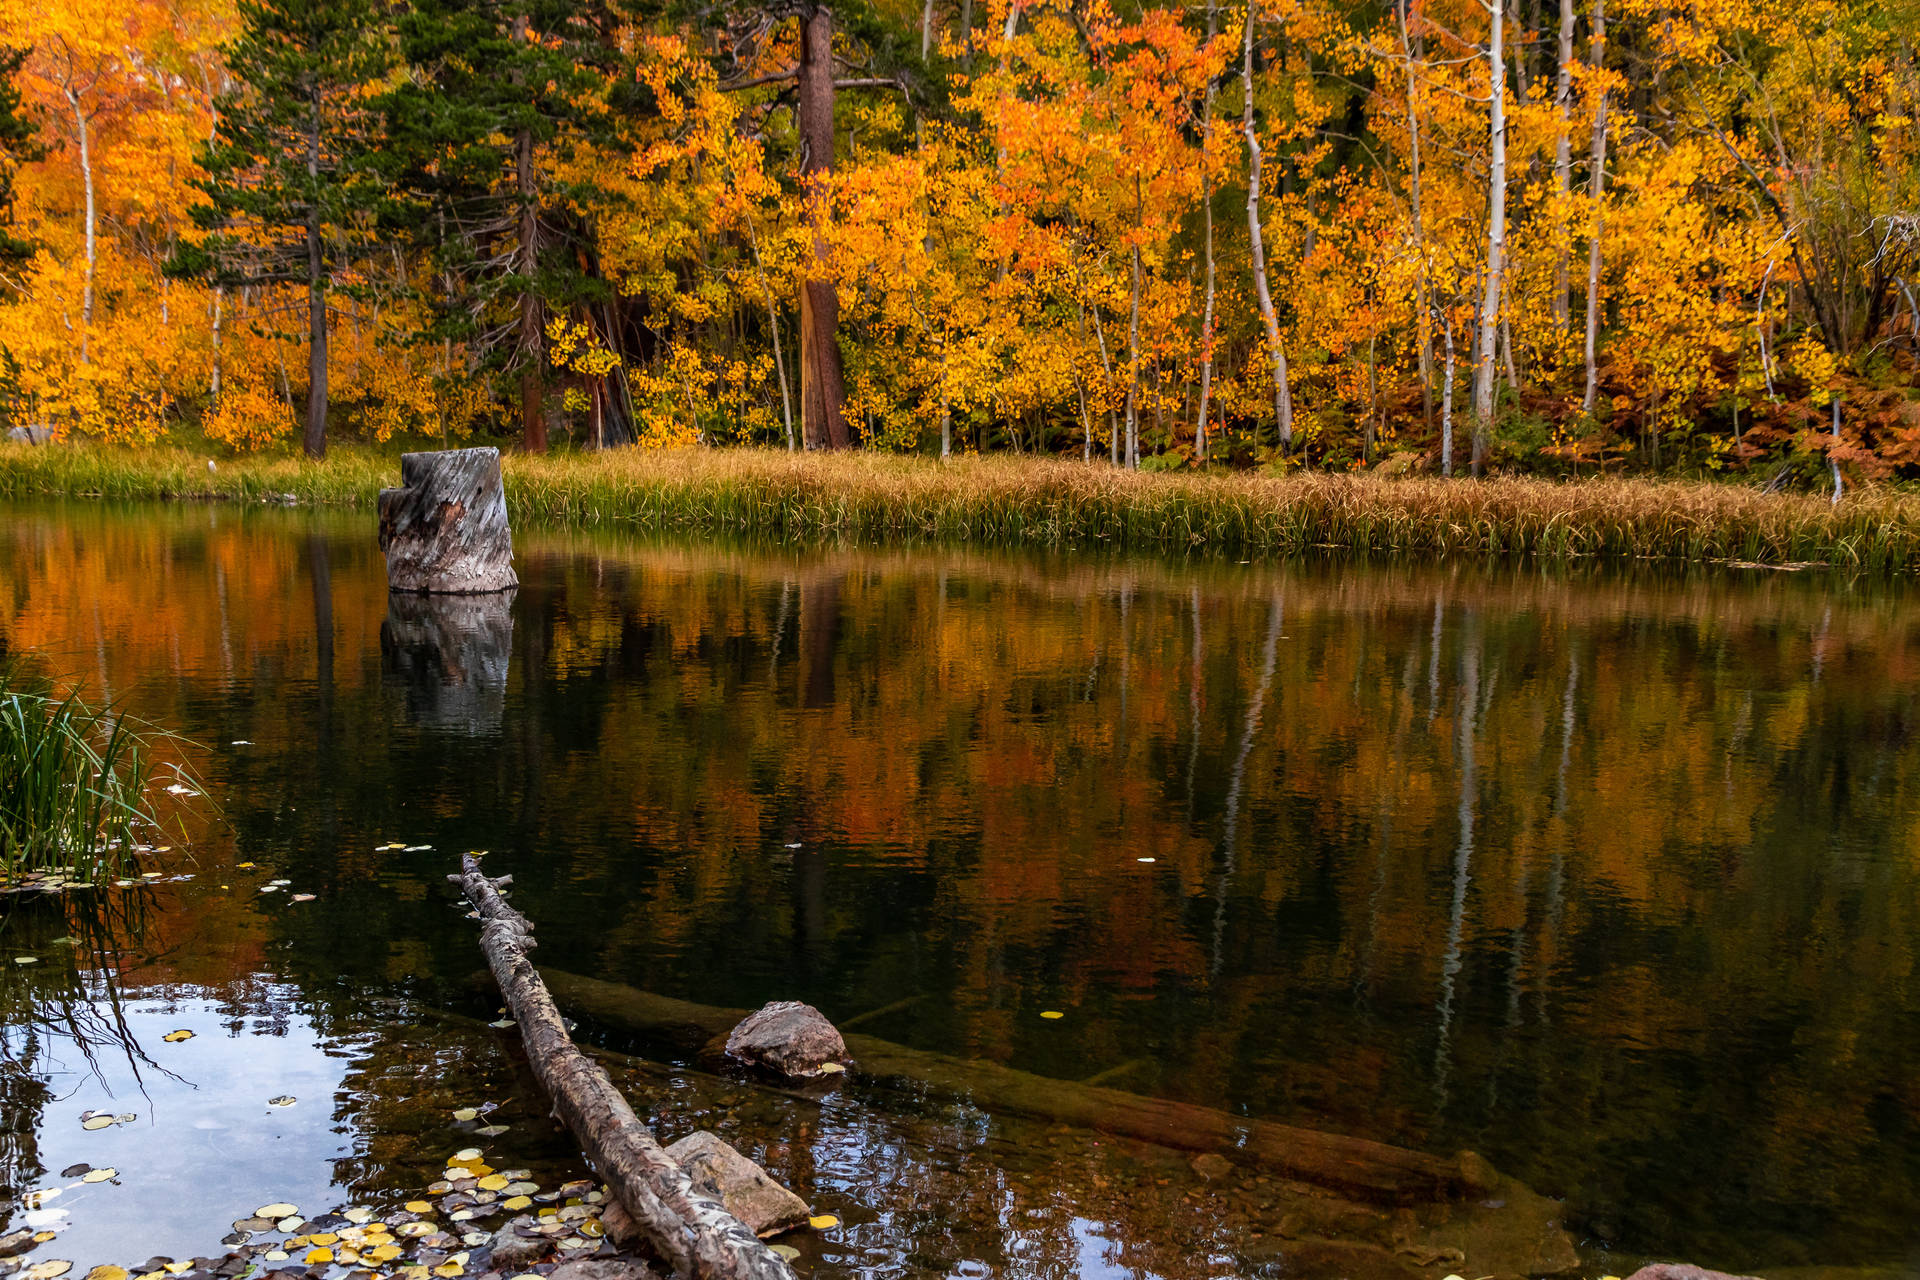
823	395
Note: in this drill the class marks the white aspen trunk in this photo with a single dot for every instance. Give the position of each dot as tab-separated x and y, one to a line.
1596	192
1423	309
315	441
1489	327
1563	164
926	31
1133	340
86	182
773	327
219	306
946	406
1446	403
1282	392
1206	210
1833	459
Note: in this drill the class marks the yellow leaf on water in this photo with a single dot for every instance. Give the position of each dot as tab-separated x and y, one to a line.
319	1255
449	1269
821	1221
786	1251
1053	1013
47	1270
382	1253
99	1175
275	1211
831	1068
178	1268
323	1237
516	1202
107	1271
96	1122
467	1113
357	1214
493	1182
175	1037
41	1237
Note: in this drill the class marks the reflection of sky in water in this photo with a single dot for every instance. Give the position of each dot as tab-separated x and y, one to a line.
206	1148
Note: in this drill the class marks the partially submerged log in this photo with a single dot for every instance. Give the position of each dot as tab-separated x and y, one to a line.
1357	1167
444	531
690	1230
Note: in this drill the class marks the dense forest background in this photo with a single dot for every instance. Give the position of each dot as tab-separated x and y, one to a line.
1438	233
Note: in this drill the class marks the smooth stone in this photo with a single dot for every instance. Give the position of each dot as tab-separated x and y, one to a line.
512	1251
742	1187
1681	1271
789	1037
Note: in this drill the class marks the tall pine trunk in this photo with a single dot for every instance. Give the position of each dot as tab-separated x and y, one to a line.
1596	193
315	441
823	395
1487	334
1282	391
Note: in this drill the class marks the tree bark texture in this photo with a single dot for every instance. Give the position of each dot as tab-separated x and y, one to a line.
1488	332
690	1230
533	347
1563	161
1596	193
1282	391
823	393
444	531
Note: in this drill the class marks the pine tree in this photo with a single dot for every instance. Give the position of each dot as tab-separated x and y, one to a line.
497	91
290	198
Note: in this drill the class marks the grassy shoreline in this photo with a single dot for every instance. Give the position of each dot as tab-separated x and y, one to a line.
1017	501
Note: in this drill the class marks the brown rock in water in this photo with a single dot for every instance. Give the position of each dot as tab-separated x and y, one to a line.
789	1037
1211	1166
603	1269
1682	1271
512	1251
17	1243
742	1187
445	529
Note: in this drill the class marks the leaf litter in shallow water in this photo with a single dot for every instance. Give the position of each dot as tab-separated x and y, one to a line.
101	1175
106	1271
175	1037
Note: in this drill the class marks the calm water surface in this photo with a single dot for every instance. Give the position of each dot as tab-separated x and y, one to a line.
1612	877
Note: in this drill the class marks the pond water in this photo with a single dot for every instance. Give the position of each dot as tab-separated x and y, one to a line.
1612	876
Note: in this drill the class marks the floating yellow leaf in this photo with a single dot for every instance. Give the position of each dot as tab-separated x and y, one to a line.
47	1270
821	1221
271	1255
449	1269
515	1203
319	1255
107	1271
96	1122
593	1228
41	1237
786	1251
467	1113
465	1155
831	1068
415	1229
284	1100
323	1237
357	1214
275	1211
382	1253
99	1175
419	1206
1052	1013
289	1224
178	1268
494	1182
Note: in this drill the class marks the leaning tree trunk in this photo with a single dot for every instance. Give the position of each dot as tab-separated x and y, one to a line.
1282	391
823	393
690	1230
1488	333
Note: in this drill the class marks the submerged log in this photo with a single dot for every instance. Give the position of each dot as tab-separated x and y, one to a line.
690	1230
1356	1167
444	531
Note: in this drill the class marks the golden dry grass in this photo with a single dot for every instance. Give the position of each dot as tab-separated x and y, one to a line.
1003	500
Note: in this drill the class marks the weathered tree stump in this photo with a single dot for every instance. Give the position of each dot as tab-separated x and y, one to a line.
444	531
687	1227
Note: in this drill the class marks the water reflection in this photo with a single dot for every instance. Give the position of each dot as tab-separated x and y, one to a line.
1608	876
449	656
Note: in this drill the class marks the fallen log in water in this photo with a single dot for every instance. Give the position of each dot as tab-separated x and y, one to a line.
691	1231
1358	1167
